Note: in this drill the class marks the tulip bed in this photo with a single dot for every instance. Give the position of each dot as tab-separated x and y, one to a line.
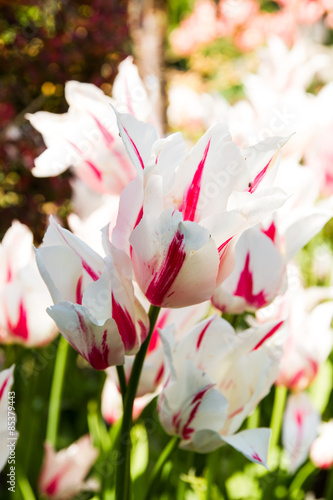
189	274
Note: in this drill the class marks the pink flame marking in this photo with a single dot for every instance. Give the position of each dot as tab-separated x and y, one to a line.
4	386
94	276
52	487
79	291
190	200
268	335
21	327
245	287
259	177
128	99
95	170
135	149
9	274
236	412
270	231
222	248
138	220
168	272
202	333
97	355
125	325
299	419
255	456
176	421
197	400
107	136
159	375
159	325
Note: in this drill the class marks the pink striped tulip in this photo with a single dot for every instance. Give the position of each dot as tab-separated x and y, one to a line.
321	451
180	218
23	295
94	304
63	473
215	380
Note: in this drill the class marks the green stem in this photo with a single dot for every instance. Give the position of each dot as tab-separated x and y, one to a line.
277	414
123	471
24	485
211	465
329	487
56	391
253	421
301	477
122	381
163	458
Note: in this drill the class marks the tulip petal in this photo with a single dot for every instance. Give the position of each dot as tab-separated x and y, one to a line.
252	443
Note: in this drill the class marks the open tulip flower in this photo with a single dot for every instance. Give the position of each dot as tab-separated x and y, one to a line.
94	304
215	380
180	218
23	295
63	472
6	382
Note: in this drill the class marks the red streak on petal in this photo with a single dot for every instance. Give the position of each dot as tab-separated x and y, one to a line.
197	400
245	287
222	248
202	333
4	386
108	137
138	220
268	335
159	375
270	231
94	276
9	274
296	378
234	413
21	327
94	169
190	200
128	99
135	149
176	421
154	342
259	177
52	487
168	272
255	456
125	325
79	291
98	356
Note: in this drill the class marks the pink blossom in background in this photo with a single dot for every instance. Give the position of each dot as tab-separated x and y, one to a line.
23	295
300	427
63	473
321	451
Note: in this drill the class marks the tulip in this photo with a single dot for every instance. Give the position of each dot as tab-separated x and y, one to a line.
63	472
94	304
7	436
216	378
321	451
153	368
181	217
300	427
23	295
85	138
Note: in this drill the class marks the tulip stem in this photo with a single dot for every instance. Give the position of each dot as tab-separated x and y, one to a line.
123	471
56	391
277	413
163	458
122	381
301	477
